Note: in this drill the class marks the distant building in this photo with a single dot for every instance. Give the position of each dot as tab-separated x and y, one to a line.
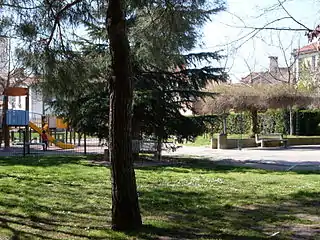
308	57
274	74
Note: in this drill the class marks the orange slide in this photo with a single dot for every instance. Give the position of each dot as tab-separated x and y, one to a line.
52	139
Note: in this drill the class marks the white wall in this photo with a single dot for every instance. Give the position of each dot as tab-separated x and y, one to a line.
306	59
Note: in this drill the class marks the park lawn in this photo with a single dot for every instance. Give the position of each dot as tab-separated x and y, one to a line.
199	141
69	198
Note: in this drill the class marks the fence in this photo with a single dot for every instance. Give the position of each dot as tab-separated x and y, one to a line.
83	146
62	142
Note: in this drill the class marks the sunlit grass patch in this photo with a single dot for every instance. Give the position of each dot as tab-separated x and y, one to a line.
69	198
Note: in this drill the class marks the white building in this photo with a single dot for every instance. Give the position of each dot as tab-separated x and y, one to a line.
307	56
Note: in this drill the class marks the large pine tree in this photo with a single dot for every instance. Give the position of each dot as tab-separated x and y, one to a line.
145	42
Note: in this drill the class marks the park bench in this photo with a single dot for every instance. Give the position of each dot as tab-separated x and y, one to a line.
144	146
32	142
150	146
271	137
170	146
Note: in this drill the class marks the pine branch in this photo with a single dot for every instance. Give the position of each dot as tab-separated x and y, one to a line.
57	18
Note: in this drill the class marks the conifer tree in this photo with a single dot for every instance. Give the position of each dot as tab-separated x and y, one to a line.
133	45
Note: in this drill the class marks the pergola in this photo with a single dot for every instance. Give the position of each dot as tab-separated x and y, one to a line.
252	98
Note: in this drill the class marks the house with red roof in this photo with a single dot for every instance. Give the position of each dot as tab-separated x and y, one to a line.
308	57
275	74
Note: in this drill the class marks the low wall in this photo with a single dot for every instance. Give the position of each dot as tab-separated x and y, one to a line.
222	142
225	143
239	143
214	143
304	141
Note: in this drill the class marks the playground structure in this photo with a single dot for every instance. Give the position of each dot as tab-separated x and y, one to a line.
21	118
26	128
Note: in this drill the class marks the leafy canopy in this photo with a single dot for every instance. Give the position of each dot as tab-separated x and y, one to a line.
67	46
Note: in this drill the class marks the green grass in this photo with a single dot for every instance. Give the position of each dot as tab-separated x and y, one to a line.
68	198
199	141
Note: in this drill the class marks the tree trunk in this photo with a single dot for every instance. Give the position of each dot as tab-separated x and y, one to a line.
5	125
291	126
136	129
160	136
254	123
159	149
224	121
79	138
125	205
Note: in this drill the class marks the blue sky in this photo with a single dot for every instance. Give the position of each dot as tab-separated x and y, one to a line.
252	55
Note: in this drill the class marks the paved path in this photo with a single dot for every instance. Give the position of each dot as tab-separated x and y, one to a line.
306	157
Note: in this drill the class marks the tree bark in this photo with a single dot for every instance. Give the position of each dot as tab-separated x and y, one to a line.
254	123
79	138
5	125
224	121
136	129
291	126
125	205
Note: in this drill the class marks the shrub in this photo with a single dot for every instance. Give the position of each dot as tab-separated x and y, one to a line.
306	122
274	121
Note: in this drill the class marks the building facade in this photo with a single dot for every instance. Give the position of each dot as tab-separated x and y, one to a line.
273	75
306	58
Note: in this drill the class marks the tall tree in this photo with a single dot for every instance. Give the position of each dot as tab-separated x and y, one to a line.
125	207
159	33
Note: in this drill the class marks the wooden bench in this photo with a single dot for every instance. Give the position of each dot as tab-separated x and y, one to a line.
151	147
144	146
272	137
170	146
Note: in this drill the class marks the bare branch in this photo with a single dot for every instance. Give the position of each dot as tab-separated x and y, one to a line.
295	20
19	6
253	33
271	28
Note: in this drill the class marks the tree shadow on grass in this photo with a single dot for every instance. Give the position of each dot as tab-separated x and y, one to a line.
193	215
42	161
180	215
42	228
180	164
30	217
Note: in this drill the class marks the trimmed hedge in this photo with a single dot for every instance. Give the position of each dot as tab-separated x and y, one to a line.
306	122
274	121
